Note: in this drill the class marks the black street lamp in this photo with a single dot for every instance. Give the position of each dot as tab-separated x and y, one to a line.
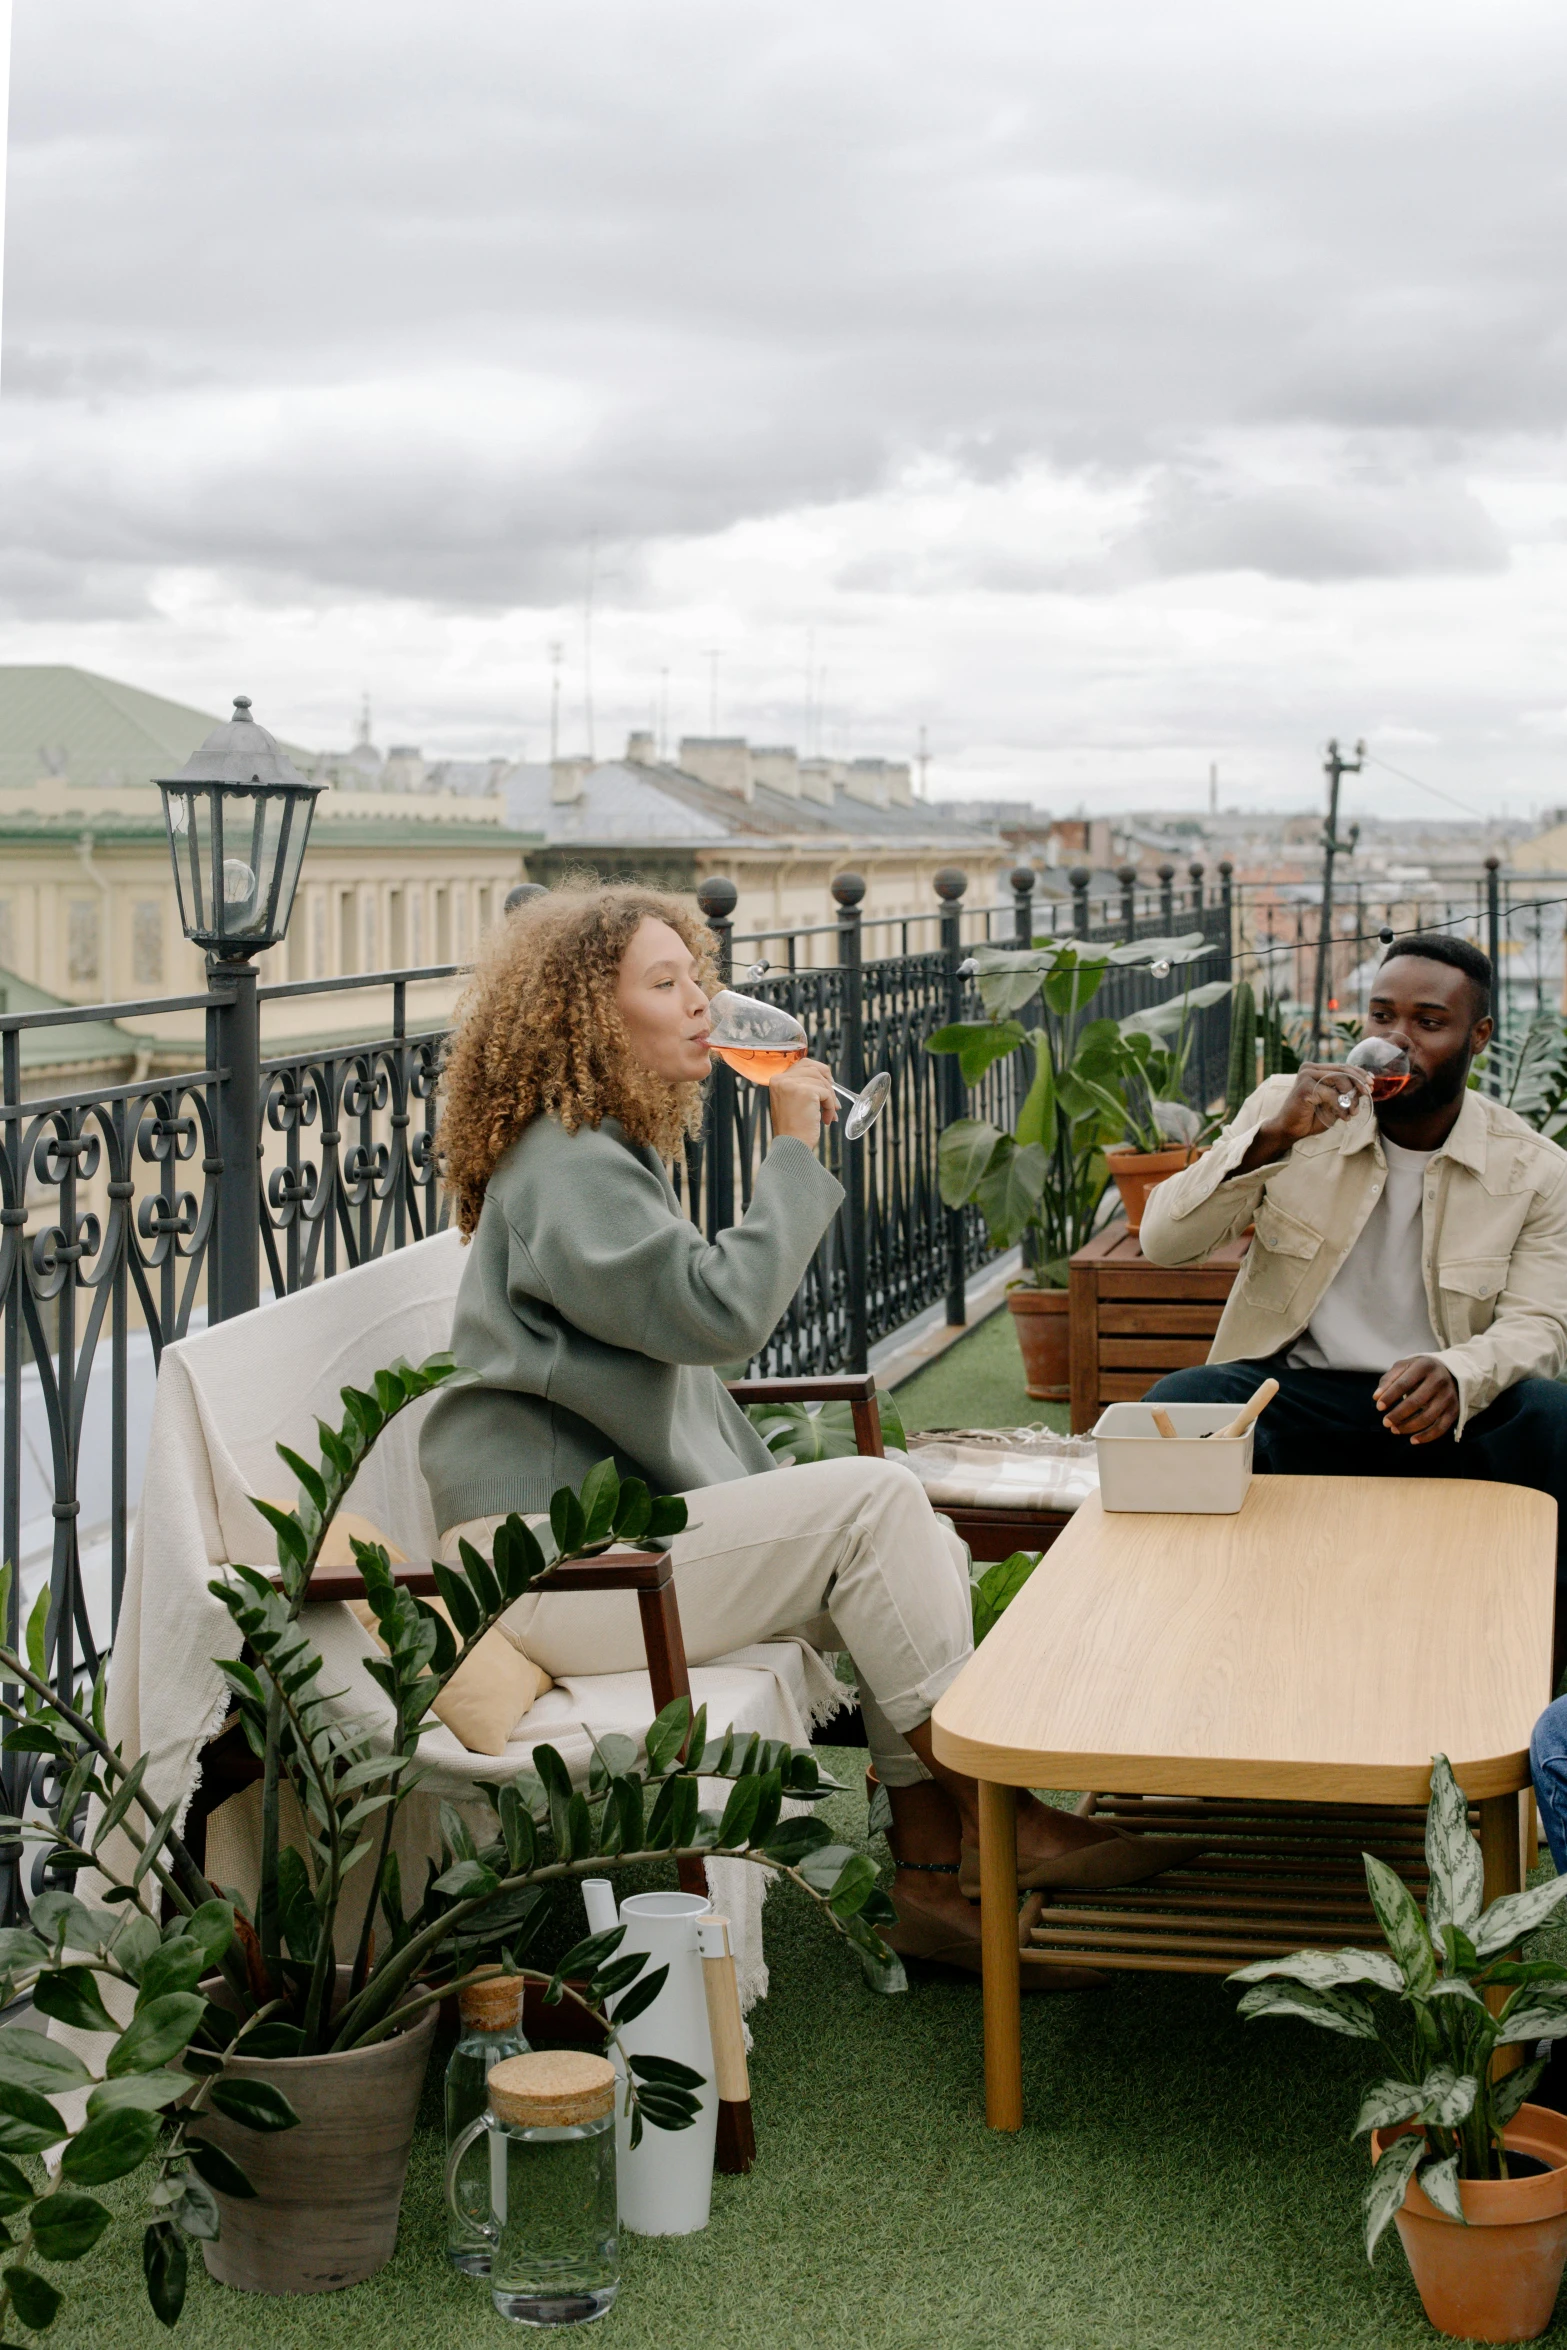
238	817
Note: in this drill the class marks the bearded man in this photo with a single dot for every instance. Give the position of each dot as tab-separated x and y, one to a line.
1407	1282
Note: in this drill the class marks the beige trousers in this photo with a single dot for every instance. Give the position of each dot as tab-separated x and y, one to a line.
848	1553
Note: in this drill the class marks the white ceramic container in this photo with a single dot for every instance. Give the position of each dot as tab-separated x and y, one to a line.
666	2186
1141	1470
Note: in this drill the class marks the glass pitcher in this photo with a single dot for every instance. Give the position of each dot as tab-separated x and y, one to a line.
551	2228
491	2014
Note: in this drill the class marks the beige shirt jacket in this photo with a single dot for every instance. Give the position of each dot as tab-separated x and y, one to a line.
1494	1258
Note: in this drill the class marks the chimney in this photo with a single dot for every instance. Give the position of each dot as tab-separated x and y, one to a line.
818	777
778	768
722	760
640	747
567	778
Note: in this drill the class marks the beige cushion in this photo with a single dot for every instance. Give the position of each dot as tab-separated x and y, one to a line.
487	1697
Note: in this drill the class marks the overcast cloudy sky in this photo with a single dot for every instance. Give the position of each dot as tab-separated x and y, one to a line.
1107	388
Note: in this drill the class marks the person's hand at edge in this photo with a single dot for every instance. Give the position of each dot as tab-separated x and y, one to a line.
802	1101
1418	1398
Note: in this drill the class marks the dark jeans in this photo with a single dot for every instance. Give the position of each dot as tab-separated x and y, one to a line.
1321	1424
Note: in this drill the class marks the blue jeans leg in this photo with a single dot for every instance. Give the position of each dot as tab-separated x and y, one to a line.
1548	1767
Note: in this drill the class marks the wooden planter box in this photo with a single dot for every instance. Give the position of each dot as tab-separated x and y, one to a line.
1133	1321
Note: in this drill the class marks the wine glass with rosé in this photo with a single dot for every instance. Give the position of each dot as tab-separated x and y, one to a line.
1385	1063
759	1041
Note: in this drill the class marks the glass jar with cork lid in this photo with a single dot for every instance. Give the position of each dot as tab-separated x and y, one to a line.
491	2030
551	2228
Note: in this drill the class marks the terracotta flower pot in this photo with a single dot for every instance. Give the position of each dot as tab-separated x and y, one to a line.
327	2195
1496	2279
1039	1317
1136	1173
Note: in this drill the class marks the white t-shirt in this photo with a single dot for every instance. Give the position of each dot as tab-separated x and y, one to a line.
1374	1310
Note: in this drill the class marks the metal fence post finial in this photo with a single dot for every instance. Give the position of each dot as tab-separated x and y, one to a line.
951	883
718	898
1196	869
848	891
1021	878
1080	877
1167	896
1126	875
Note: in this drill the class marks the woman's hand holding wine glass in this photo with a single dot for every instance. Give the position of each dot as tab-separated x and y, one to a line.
801	1101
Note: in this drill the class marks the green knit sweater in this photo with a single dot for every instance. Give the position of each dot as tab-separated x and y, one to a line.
593	1309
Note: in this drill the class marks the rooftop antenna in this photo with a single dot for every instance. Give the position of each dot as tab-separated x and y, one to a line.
587	639
363	735
556	650
923	761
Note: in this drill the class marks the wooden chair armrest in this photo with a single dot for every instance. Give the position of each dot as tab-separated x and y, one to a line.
855	1388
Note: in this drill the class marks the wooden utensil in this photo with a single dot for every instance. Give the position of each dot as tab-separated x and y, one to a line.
1162	1421
735	2150
1249	1411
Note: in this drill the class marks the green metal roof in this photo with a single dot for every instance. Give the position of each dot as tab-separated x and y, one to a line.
61	721
79	1041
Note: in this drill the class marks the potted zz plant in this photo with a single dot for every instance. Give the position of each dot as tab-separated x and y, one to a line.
1474	2176
199	2023
1042	1183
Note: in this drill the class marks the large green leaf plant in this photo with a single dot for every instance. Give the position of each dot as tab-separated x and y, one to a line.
1042	1183
179	1974
1422	2001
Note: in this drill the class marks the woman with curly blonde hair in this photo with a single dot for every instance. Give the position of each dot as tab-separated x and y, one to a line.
595	1313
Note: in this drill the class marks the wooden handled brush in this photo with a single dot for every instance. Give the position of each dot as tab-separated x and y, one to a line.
735	2150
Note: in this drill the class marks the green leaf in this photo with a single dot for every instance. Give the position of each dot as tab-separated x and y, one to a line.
296	1908
65	2227
979	1044
962	1155
213	1927
255	2105
34	2062
1036	1120
666	1736
1334	2011
794	1840
38	1635
165	2266
1325	1970
1516	1914
1010	1190
639	1998
1388	2104
1456	1889
1514	2089
176	1965
270	2039
1447	2097
71	1996
993	1592
145	2092
1402	1923
196	2213
16	2188
109	2146
470	1880
1440	2181
740	1811
28	2122
36	2302
855	1881
567	1522
155	2033
1384	2197
60	1917
600	1497
120	1802
1524	2024
218	2169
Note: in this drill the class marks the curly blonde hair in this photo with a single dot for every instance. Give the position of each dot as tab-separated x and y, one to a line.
539	1031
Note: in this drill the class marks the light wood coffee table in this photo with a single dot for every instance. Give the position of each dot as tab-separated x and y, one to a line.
1288	1673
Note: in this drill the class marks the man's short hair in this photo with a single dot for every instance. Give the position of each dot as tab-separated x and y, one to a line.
1459	954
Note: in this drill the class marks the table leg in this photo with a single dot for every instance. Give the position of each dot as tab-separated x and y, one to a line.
1003	1973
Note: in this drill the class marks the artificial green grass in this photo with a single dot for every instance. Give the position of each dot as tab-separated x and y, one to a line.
1182	2182
977	1384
